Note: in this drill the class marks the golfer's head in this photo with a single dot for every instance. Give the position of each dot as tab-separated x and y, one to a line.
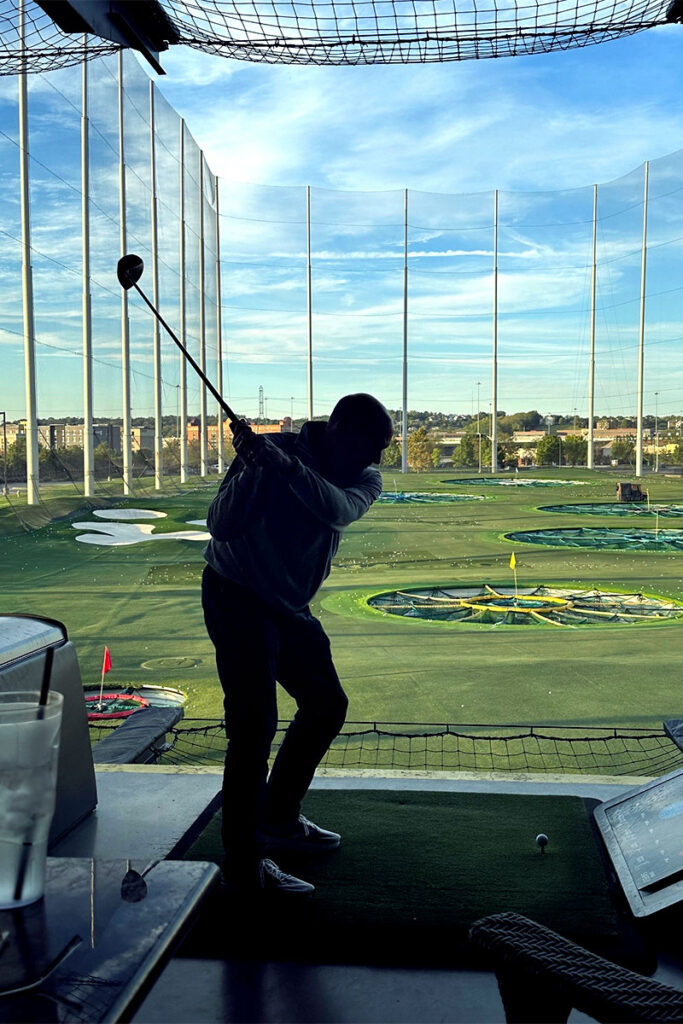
359	429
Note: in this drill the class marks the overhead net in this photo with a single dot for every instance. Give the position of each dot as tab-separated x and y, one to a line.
351	31
402	31
433	747
46	47
534	606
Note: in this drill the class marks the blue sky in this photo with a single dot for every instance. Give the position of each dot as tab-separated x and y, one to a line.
531	127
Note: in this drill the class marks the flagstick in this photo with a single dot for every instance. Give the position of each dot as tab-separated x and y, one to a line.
515	575
99	706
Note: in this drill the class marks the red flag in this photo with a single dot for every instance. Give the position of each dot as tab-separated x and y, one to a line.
106	663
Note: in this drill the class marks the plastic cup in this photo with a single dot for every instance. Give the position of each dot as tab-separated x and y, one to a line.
29	749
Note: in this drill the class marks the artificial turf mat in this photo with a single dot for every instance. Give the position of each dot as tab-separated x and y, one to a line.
415	869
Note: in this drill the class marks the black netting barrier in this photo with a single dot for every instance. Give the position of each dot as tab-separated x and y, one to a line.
434	747
352	31
46	46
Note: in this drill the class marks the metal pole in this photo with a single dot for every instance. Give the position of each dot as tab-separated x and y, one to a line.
183	316
88	431
404	421
478	426
656	432
309	299
203	427
494	382
5	488
32	492
641	338
219	337
158	415
591	371
125	329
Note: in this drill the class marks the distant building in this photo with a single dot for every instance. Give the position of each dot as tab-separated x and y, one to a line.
14	432
72	435
194	426
142	437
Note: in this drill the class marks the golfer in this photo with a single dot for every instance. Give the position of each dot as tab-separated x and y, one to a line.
275	527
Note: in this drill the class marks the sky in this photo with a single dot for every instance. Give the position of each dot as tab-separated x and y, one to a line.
541	129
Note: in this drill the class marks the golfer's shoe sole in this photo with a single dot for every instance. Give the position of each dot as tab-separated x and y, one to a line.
303	837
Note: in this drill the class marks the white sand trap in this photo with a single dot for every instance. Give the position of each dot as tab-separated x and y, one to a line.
119	534
196	522
128	513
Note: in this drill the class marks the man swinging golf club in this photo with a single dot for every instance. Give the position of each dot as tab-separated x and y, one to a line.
275	526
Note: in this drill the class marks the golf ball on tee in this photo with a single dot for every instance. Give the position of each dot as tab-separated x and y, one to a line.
542	841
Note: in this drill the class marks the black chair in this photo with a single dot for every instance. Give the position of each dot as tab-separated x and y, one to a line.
542	976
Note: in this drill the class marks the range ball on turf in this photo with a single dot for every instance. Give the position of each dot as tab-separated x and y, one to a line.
542	841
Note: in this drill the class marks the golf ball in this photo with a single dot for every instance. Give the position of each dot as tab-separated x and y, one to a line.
542	840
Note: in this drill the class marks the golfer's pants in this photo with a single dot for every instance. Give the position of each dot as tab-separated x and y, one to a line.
255	646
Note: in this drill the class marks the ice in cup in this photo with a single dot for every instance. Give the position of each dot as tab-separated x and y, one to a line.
29	748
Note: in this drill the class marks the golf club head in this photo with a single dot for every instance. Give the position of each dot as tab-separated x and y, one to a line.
129	270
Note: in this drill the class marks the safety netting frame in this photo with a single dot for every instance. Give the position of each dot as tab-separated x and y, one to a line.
504	606
443	747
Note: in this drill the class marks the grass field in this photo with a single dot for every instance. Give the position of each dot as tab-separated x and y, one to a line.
143	602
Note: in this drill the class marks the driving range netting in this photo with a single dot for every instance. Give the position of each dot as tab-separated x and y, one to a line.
346	31
436	747
607	538
616	508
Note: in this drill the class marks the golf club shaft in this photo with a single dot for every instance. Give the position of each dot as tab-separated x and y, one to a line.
219	398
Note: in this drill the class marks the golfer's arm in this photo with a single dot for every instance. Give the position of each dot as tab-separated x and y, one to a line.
236	503
334	506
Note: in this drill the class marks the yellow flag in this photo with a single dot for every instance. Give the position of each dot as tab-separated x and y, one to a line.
513	560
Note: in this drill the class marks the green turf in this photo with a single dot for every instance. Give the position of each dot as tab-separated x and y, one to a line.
415	870
143	602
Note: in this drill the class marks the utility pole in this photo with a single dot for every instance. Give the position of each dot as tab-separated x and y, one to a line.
261	411
478	426
5	489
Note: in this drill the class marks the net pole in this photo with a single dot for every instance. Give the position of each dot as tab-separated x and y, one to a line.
32	491
494	380
158	458
219	337
125	329
88	429
641	332
404	421
309	302
203	425
591	369
182	426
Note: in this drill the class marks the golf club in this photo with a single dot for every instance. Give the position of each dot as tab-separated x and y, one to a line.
129	271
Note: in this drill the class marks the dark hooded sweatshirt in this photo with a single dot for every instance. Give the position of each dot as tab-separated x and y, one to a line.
277	533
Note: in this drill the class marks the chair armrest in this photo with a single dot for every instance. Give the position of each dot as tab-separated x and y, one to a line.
536	965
